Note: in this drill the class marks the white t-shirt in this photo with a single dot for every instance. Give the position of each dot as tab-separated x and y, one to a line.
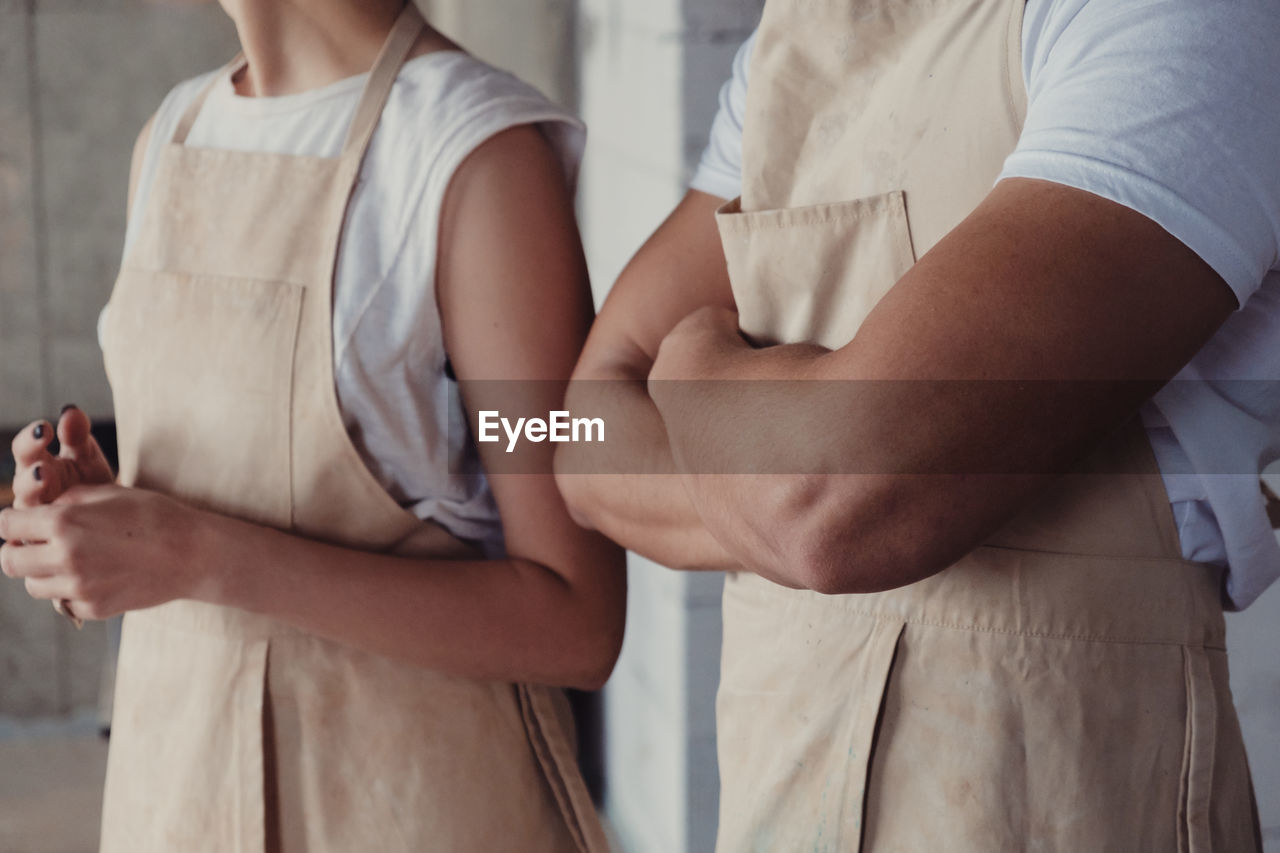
1171	108
389	358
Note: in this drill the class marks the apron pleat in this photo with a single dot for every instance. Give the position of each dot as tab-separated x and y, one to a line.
1202	730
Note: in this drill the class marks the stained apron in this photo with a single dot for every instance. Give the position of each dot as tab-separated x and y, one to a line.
1062	688
233	732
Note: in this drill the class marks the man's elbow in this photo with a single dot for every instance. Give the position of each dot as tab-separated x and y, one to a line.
595	675
600	649
858	546
575	490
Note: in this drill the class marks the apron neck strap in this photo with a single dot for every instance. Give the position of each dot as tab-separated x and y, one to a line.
193	109
404	34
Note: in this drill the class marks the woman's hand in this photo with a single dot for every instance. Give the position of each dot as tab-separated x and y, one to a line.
104	549
42	477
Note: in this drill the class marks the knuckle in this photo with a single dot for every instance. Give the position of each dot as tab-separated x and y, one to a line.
64	522
73	559
80	589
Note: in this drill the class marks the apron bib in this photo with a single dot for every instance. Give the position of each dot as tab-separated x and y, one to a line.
233	732
1062	688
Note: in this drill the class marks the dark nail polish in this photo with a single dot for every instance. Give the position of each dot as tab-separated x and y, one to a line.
68	407
38	432
38	474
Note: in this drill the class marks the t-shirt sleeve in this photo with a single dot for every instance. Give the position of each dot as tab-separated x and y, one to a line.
720	170
1169	107
475	103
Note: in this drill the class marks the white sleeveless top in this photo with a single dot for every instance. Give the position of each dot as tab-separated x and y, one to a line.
399	406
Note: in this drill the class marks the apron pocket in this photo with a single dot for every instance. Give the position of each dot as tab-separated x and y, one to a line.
241	350
812	274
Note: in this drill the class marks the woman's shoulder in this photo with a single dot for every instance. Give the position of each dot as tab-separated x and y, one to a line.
459	101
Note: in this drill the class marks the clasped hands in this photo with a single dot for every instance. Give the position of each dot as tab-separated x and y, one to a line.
75	537
731	408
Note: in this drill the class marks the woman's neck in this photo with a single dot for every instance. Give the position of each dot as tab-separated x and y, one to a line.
296	45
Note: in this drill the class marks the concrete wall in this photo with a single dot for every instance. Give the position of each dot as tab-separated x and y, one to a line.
1253	638
532	38
78	78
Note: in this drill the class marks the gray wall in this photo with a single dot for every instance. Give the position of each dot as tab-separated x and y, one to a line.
78	78
1253	638
533	38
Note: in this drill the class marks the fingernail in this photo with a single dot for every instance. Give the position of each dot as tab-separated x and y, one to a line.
68	407
38	431
38	474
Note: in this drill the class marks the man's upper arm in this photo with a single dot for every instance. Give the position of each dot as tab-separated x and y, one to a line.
1036	327
1141	207
680	269
1167	107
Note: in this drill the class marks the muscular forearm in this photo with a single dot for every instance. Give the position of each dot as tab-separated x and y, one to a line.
843	482
630	490
495	619
809	477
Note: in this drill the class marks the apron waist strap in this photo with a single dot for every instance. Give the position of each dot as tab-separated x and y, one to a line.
1031	594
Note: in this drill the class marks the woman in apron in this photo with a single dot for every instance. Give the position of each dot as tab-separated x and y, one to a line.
339	635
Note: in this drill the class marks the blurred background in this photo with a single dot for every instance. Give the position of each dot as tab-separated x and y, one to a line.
78	78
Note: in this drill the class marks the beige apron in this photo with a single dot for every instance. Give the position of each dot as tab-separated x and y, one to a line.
234	733
1064	687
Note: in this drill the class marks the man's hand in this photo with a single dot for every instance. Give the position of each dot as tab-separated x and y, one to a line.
638	499
703	345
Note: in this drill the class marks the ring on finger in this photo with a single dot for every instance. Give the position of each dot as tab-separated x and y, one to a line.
63	606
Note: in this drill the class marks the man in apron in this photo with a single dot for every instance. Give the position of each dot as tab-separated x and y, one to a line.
960	617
